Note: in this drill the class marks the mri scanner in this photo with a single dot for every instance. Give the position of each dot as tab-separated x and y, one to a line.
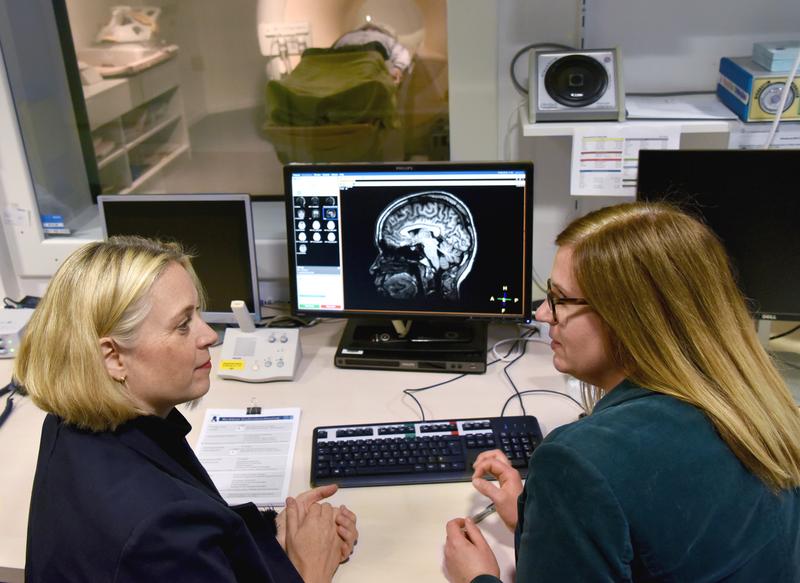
326	106
404	16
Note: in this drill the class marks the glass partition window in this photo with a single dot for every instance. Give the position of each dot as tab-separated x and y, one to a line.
187	96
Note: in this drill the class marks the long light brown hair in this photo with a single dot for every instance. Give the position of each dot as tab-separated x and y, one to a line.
663	284
101	290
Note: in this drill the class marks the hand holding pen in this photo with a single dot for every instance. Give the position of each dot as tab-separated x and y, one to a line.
503	496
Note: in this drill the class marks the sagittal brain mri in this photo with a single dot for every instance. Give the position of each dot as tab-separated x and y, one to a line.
426	244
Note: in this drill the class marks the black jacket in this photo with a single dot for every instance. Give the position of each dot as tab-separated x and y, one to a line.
136	505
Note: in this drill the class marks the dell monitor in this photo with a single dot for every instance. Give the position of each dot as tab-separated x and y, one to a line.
217	229
418	257
749	199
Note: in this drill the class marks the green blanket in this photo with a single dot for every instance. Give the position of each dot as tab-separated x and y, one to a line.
334	87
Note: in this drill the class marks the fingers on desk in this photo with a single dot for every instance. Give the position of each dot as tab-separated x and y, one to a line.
347	531
317	494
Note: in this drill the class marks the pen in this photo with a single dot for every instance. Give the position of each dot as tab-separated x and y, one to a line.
483	513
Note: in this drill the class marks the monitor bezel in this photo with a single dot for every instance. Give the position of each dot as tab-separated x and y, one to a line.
739	159
407	167
211	317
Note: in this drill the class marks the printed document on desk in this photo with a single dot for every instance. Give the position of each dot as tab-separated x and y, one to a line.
249	456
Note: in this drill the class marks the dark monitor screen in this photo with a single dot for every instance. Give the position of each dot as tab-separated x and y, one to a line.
411	240
217	229
749	198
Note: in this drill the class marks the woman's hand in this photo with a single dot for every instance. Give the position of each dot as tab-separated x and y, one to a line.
345	518
466	552
312	542
347	531
505	496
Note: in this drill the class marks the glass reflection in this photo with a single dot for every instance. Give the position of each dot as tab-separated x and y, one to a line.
206	96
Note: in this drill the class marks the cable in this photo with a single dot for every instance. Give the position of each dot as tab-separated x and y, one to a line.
782	334
524	341
287	321
541	391
524	338
11	389
524	50
411	392
26	302
513	116
784	95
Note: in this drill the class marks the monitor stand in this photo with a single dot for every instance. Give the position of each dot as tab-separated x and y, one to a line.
415	345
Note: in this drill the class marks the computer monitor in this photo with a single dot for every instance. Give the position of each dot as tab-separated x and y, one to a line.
216	228
749	198
437	244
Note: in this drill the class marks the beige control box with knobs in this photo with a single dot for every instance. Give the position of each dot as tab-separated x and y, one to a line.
258	355
264	355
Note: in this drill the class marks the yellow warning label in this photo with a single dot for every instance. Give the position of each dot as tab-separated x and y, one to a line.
231	365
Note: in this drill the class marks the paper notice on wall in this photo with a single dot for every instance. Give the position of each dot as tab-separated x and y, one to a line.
249	456
754	137
606	162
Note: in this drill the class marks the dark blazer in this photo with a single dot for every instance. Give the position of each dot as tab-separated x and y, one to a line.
644	489
136	505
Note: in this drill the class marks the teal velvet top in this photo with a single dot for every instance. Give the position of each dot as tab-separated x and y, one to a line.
644	489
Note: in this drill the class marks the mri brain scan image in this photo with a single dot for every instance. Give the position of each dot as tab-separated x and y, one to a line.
426	245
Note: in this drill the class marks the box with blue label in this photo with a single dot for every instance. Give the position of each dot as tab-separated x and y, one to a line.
753	93
776	56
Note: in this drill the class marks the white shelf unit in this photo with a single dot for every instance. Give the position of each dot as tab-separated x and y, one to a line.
138	127
550	129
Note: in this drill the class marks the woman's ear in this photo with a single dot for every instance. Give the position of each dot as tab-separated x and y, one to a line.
109	350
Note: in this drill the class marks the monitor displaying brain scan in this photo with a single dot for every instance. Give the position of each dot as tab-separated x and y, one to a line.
409	241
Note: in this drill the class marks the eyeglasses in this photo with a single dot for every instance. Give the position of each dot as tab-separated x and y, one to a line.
553	301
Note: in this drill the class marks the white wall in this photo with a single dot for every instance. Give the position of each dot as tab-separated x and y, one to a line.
472	52
226	52
676	45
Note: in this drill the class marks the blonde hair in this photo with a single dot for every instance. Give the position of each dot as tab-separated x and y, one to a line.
101	290
662	283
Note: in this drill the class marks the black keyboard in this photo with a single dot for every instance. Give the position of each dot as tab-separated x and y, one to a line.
417	452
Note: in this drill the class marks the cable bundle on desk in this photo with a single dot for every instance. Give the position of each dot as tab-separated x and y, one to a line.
10	389
532	334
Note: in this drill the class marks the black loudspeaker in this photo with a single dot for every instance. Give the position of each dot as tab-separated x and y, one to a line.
576	86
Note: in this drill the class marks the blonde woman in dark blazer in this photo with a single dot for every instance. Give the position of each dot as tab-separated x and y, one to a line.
115	345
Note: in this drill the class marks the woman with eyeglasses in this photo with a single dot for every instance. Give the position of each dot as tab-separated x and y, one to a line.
688	467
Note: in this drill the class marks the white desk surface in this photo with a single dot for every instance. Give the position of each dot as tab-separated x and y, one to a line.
402	528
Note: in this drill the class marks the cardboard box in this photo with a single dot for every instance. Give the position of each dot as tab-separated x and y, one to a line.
776	56
753	93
